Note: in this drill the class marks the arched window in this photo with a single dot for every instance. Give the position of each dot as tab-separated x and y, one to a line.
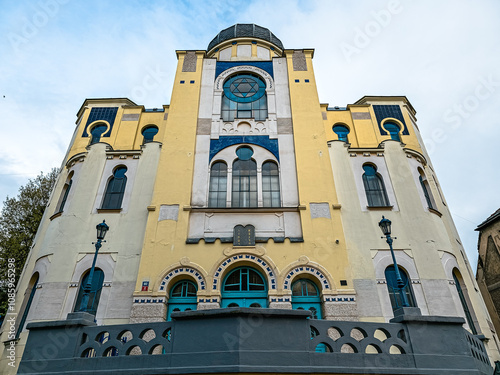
244	97
341	131
182	297
149	133
374	187
96	133
95	291
114	191
218	185
305	296
30	294
393	288
425	187
393	130
463	301
244	179
66	189
244	287
270	185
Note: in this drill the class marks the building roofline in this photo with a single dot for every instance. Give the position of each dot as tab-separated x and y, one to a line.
86	102
403	98
491	219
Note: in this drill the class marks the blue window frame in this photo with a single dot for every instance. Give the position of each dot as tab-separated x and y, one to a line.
149	133
182	297
66	189
33	283
270	185
95	291
342	132
218	185
115	190
393	130
244	193
305	296
393	288
374	187
425	188
465	306
244	287
96	133
244	97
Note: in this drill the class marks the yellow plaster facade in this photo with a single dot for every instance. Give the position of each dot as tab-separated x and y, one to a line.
333	189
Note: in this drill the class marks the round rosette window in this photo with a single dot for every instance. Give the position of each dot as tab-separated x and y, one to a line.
244	88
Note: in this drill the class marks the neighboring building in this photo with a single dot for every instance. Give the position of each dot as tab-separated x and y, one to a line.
246	191
488	266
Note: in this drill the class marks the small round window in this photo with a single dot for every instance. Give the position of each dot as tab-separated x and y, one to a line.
244	88
96	133
244	153
341	131
149	133
393	130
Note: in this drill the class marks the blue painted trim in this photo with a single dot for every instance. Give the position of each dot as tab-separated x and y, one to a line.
217	145
384	111
101	113
222	66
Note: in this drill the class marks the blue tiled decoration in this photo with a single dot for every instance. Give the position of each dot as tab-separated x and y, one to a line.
221	66
322	278
250	257
260	140
101	113
384	111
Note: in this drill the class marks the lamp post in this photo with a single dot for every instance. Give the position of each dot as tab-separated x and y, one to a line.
102	228
385	226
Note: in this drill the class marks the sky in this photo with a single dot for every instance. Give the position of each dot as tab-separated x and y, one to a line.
444	56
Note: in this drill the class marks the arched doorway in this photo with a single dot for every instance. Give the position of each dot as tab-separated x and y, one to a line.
244	287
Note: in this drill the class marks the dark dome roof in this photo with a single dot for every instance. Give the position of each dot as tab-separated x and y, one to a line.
245	30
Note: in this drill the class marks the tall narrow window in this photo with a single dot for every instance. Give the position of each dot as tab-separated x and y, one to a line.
30	294
425	188
95	291
465	306
305	296
341	131
149	133
244	97
374	187
270	185
244	287
218	185
96	133
182	297
393	288
66	189
244	179
114	191
393	130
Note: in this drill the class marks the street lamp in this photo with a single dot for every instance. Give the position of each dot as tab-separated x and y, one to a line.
102	228
385	226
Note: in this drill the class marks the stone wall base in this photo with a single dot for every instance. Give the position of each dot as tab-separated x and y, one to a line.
148	312
340	311
208	305
280	305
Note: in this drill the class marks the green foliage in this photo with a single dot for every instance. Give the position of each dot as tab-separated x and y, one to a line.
19	222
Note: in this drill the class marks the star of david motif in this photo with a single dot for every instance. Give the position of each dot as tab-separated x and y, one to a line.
244	87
